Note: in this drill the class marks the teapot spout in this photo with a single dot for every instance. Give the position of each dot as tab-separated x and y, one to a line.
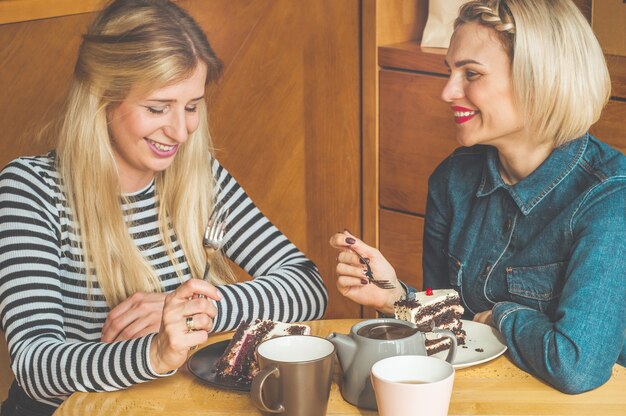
346	348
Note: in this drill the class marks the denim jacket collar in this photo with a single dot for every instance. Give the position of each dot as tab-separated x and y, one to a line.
531	190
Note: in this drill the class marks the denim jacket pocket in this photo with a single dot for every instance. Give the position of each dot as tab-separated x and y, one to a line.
455	271
538	287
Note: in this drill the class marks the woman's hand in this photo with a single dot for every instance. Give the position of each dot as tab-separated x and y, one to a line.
135	317
186	321
351	280
484	317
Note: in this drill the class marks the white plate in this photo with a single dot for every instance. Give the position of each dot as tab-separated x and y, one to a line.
482	343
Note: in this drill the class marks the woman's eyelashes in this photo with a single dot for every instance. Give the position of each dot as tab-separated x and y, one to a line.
163	110
471	75
156	110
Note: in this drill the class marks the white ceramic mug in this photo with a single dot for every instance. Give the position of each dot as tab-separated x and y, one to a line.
412	385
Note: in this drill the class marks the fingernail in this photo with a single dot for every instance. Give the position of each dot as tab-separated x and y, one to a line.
364	282
219	295
364	271
350	240
364	260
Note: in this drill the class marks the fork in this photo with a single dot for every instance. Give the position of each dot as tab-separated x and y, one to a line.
383	284
214	234
212	241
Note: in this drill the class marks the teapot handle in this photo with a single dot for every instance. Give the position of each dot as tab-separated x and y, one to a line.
450	335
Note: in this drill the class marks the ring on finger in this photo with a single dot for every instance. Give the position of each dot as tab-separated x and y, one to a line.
190	325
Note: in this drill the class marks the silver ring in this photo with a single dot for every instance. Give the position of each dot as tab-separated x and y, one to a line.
190	326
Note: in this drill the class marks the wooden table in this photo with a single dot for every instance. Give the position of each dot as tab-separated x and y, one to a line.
494	388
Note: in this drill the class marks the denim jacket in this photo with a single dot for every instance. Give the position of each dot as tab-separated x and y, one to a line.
546	255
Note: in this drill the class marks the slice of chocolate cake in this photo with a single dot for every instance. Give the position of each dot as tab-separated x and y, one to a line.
441	308
238	363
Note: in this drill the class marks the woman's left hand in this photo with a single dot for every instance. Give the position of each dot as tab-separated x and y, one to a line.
484	317
135	317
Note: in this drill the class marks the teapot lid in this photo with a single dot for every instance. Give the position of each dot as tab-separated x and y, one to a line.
387	331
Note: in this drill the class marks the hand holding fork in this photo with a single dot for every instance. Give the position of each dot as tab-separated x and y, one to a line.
383	284
364	275
213	237
212	241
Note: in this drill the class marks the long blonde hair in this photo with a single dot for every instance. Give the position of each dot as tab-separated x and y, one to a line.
560	77
145	44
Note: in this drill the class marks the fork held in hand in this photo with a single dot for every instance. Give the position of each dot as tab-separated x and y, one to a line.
215	229
214	234
383	284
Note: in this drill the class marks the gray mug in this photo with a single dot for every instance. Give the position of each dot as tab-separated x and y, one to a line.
295	377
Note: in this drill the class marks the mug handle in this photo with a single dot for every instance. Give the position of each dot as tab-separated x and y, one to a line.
450	335
256	391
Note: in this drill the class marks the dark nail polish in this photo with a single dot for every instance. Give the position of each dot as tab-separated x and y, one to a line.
364	282
364	260
350	240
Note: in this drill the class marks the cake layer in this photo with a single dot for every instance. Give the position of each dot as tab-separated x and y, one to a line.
238	364
433	346
440	308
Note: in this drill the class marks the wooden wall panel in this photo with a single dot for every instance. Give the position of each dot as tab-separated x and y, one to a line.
610	128
413	57
416	134
34	74
285	115
401	238
400	20
286	118
12	11
383	22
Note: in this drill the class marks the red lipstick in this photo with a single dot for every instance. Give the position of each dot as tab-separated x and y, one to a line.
463	114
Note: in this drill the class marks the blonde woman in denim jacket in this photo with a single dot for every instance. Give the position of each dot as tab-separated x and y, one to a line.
527	221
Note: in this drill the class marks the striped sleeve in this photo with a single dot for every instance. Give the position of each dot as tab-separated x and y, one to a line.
286	285
32	311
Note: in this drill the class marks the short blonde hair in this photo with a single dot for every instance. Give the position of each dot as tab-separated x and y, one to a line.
560	78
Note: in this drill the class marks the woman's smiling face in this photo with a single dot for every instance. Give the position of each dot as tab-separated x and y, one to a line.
480	89
147	130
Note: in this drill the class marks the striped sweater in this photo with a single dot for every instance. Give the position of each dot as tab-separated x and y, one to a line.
53	333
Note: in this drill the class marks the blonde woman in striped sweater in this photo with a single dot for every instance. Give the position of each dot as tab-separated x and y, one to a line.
101	240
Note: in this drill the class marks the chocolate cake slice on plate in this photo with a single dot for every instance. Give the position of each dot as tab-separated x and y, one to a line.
238	364
440	308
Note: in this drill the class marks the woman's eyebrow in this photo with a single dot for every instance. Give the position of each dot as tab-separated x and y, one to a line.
462	62
173	100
